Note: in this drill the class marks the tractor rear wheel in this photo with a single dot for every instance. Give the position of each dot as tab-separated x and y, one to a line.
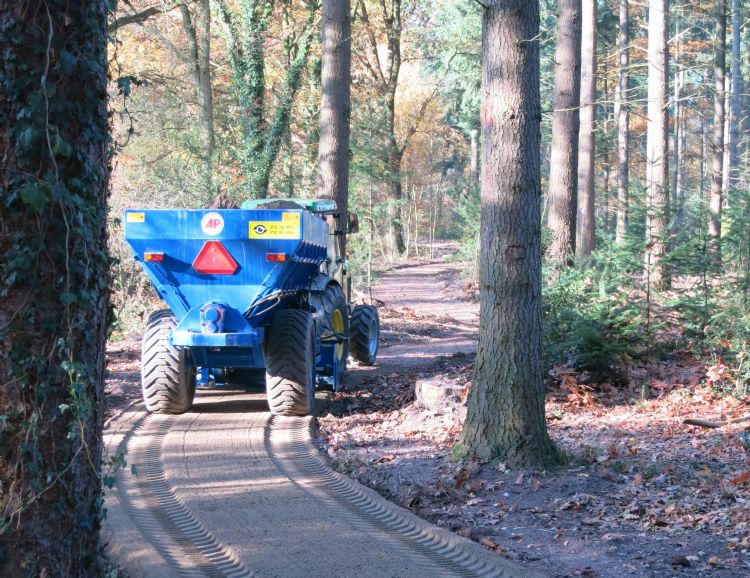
334	321
290	363
364	334
167	379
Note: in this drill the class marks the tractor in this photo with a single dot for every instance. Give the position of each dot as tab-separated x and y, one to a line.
262	290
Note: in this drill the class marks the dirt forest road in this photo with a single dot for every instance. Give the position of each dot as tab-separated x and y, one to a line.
227	489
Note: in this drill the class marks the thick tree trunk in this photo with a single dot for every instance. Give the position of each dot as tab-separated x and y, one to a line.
333	149
657	167
586	221
505	418
678	128
563	176
717	146
54	286
623	129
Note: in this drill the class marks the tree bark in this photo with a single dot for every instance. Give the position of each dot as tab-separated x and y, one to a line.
586	221
333	149
54	142
622	113
505	418
737	89
198	32
563	178
717	146
657	167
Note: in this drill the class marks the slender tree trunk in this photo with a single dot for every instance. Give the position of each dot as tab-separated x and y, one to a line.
717	146
586	222
198	33
657	167
333	150
54	287
623	129
678	110
681	155
737	89
565	125
208	135
474	164
725	160
505	415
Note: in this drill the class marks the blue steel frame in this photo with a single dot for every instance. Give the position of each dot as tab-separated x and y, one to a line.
250	296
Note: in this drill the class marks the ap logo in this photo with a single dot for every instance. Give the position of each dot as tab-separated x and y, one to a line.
212	224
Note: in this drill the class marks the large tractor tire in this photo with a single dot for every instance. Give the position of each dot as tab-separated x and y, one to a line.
364	334
290	363
333	321
167	379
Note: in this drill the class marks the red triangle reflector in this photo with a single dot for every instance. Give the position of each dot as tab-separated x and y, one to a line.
214	259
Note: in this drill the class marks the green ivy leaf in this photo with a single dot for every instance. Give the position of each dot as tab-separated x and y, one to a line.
68	298
35	196
61	148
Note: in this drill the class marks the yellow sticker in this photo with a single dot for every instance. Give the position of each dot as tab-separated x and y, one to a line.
136	217
288	228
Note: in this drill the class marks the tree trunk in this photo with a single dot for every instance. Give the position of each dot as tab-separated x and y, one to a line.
737	88
54	285
505	417
333	148
474	164
563	176
717	146
657	167
678	126
199	48
208	136
623	130
586	222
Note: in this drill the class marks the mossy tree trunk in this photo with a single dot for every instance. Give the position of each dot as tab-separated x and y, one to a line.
262	130
505	418
54	284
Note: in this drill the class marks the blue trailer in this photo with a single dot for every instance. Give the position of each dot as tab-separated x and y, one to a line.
258	288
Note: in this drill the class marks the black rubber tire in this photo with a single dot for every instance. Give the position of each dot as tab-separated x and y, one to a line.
167	379
290	363
330	301
364	334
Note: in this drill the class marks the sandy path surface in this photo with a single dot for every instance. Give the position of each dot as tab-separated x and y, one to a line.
227	489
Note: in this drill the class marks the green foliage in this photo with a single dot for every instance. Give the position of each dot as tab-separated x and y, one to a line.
592	321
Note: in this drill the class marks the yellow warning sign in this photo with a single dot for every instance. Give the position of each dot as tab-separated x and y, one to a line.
136	217
287	228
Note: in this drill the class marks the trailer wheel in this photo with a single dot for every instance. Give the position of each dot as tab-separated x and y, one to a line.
290	363
364	334
335	320
167	380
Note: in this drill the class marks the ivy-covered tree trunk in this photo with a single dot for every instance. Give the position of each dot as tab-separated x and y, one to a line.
54	285
261	137
505	415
